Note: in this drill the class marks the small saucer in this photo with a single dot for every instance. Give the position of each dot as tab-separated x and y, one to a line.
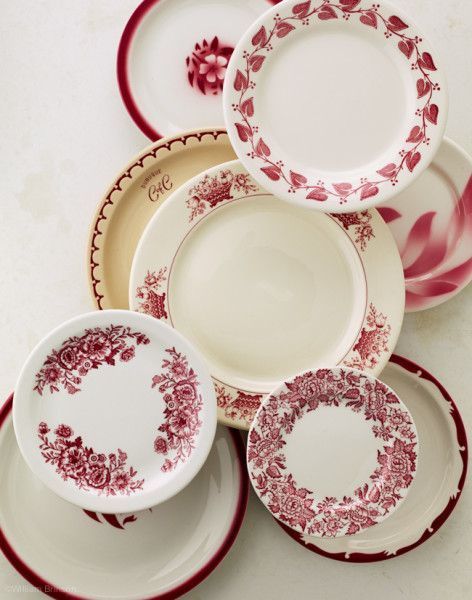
187	45
159	553
438	483
332	452
431	222
114	411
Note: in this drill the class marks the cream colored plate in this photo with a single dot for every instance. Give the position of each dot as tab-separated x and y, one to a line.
135	195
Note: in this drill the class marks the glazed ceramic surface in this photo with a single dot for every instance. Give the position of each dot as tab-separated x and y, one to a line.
133	198
186	44
332	452
158	553
336	106
264	288
115	411
439	479
432	225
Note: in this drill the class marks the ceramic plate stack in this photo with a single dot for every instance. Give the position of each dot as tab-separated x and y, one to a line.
257	275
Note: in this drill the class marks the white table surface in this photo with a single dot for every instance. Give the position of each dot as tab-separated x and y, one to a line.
64	135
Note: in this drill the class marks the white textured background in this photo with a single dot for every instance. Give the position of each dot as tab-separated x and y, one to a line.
64	134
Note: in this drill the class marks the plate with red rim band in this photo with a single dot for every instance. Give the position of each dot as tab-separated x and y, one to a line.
114	411
336	105
431	222
90	554
439	480
264	288
332	452
156	46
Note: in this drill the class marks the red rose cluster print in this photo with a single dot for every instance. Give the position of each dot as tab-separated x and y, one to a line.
179	385
87	469
394	29
214	189
237	405
65	368
151	300
372	341
206	66
301	508
360	222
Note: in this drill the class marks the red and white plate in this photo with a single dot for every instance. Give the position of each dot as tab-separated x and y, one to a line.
172	60
332	452
439	480
114	411
335	104
431	222
83	555
264	288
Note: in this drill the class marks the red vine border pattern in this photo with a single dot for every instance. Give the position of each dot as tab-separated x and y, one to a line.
206	66
78	355
88	469
179	384
213	189
301	508
151	302
360	221
372	342
426	112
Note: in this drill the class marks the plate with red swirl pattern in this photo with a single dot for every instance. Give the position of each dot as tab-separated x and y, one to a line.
336	105
264	288
332	452
431	222
114	411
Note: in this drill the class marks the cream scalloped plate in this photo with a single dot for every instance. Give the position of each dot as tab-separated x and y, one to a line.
114	411
264	288
132	199
335	105
439	479
84	555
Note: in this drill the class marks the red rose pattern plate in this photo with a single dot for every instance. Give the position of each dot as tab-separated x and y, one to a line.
114	411
334	105
332	452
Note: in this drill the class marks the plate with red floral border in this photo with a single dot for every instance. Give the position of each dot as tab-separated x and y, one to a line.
335	104
264	288
114	411
90	554
439	480
332	452
431	222
187	44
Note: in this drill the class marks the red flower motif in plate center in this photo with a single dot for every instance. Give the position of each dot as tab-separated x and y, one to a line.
206	66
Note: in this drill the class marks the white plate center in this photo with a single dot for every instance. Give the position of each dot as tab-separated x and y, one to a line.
266	290
332	98
331	451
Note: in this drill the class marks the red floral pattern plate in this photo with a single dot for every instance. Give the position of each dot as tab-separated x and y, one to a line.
332	452
335	105
431	222
264	288
439	479
114	411
91	554
156	46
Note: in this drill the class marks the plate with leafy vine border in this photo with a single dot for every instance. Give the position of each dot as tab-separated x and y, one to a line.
114	411
172	61
264	288
439	480
335	104
332	452
431	222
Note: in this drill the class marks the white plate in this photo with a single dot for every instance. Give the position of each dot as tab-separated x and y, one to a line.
158	553
172	60
332	452
438	483
431	222
264	288
114	411
334	105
